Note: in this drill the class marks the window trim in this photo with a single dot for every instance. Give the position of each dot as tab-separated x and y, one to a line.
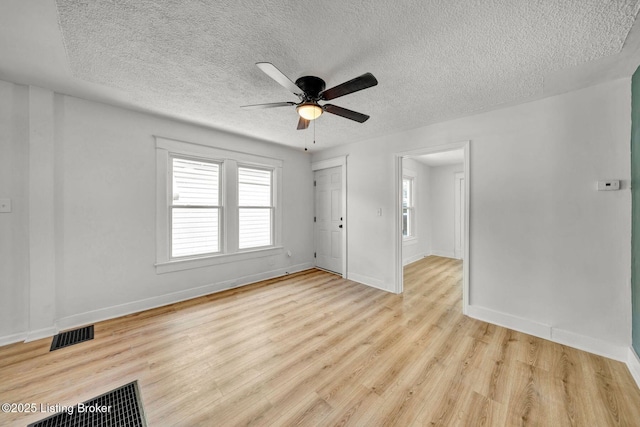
229	161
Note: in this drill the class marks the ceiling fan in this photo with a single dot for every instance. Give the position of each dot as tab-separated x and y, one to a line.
310	90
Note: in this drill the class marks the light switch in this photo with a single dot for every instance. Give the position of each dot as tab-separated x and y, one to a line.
380	212
5	205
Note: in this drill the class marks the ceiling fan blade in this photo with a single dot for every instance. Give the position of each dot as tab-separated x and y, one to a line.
343	112
270	105
270	70
303	124
362	82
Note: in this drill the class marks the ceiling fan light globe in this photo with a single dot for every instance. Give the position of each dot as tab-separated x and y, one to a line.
309	111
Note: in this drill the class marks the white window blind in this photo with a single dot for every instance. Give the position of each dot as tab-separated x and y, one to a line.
255	207
195	207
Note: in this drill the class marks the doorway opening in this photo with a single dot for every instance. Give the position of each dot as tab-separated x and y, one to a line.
432	215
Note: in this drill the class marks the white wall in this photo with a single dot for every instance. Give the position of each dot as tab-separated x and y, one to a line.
14	236
548	254
442	209
418	246
103	209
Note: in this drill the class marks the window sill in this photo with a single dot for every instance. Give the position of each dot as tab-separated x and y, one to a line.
188	264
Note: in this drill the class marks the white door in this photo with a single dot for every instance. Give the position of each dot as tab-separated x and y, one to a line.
328	219
459	215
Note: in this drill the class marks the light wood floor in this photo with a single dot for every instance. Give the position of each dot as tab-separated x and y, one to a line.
314	349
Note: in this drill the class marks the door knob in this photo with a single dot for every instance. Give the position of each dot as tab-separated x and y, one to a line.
340	226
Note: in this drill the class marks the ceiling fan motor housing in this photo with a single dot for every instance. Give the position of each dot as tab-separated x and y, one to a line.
312	87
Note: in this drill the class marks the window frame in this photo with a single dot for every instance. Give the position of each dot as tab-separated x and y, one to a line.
271	205
219	206
166	149
411	207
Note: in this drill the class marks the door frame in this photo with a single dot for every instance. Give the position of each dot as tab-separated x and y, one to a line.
458	214
332	163
399	273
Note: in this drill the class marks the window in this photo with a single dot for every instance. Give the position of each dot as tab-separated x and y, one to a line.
408	207
255	207
195	208
214	206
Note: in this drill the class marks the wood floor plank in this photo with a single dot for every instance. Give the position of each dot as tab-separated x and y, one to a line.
314	349
355	411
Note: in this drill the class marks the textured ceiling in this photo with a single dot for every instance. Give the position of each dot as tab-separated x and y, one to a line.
434	60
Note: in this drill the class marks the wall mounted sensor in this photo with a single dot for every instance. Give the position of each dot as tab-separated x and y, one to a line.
609	185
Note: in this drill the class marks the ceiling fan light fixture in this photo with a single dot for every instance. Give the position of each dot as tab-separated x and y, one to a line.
309	110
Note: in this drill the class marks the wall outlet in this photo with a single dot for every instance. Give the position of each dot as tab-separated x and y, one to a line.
609	185
5	205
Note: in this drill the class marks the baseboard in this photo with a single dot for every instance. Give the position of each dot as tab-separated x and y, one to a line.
541	330
589	344
413	258
162	300
14	338
509	321
41	333
369	281
444	254
633	362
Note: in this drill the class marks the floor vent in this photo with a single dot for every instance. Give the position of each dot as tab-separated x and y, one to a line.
65	339
120	407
